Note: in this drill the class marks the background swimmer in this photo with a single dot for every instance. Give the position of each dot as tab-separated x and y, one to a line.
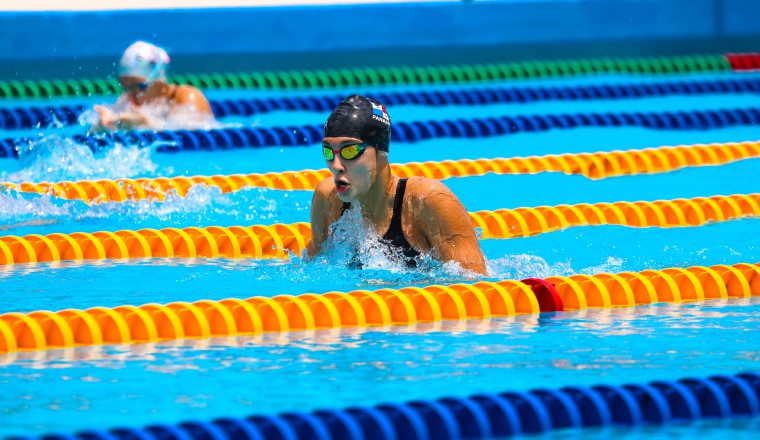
411	216
147	100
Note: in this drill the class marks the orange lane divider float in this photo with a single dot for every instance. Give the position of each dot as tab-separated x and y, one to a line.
40	330
593	165
259	241
505	223
280	240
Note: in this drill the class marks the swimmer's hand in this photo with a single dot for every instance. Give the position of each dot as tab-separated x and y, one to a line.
106	119
135	118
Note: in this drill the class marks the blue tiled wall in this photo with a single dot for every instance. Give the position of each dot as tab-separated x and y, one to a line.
383	33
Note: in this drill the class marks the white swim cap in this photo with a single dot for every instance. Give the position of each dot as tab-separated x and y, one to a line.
146	60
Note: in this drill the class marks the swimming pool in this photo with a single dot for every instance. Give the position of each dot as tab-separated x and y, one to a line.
426	342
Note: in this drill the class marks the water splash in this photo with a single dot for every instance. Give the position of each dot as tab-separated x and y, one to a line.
612	265
187	117
354	243
17	210
521	266
56	157
356	256
41	214
161	116
192	208
332	266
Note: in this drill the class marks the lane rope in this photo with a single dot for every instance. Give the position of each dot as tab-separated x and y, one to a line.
387	75
281	240
126	324
593	165
43	116
498	414
403	132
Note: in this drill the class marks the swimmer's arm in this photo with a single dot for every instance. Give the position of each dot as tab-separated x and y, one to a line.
192	96
319	217
123	115
106	119
448	228
136	119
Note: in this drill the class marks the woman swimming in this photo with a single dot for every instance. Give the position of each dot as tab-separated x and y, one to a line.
411	216
147	100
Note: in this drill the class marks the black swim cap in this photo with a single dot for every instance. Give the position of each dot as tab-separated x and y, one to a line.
361	118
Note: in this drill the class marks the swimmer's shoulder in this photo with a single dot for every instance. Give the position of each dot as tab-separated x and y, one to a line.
185	88
326	187
425	197
326	192
185	93
422	187
326	205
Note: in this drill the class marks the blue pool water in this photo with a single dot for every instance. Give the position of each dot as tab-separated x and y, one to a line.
591	249
106	386
135	385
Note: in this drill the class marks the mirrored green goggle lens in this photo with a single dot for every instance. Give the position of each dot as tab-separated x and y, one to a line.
348	152
328	153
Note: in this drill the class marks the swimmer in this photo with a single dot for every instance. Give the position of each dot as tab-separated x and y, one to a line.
412	215
147	100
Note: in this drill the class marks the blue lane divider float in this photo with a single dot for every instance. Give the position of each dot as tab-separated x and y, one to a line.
479	416
30	117
406	132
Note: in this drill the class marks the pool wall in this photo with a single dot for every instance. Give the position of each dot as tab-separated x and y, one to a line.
37	45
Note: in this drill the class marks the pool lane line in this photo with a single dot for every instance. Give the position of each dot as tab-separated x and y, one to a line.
403	132
597	165
744	62
282	240
17	118
496	414
127	324
394	75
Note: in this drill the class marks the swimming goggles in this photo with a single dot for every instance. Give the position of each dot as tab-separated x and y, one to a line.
136	87
349	152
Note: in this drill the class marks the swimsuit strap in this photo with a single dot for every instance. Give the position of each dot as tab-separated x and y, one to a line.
398	204
395	234
394	238
343	208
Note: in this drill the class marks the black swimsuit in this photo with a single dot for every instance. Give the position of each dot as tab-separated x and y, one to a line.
394	237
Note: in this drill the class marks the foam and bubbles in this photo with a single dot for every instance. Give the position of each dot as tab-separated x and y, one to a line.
55	158
355	247
18	210
354	243
23	214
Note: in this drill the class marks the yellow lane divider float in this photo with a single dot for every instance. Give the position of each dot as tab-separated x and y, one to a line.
593	165
360	308
279	240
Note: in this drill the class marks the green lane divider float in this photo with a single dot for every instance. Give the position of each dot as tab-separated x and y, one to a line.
383	75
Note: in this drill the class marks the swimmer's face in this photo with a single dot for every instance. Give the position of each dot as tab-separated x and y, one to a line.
134	87
353	178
